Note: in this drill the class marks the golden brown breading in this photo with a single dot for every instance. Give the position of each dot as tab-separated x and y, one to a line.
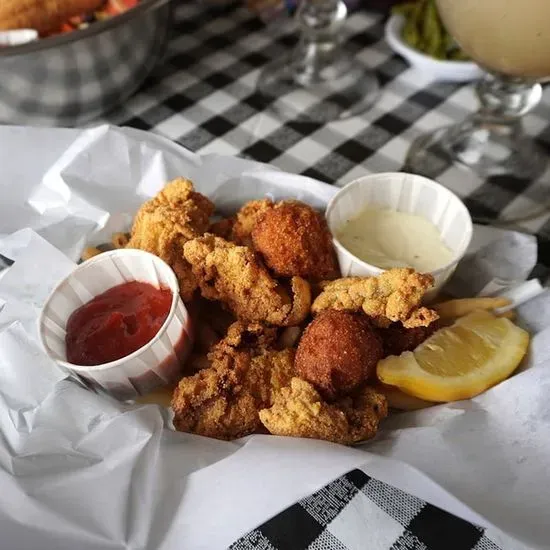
233	275
246	219
222	228
211	313
395	295
211	402
301	304
163	224
294	241
338	352
223	401
180	194
254	337
299	411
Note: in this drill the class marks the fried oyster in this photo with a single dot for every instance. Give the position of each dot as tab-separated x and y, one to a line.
223	400
394	295
234	275
166	222
299	411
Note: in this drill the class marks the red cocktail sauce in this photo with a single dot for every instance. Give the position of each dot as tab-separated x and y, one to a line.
116	323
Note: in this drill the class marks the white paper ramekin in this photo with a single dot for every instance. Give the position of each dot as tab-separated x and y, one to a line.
404	193
157	363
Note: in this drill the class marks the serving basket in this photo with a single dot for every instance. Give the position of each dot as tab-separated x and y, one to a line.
73	78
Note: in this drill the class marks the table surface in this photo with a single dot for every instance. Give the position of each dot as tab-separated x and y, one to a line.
203	96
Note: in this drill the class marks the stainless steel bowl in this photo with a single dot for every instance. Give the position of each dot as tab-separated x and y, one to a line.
71	79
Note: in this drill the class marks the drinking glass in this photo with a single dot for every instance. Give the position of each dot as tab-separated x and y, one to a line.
511	40
319	80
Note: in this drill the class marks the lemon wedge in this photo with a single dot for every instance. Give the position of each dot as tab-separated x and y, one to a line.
460	361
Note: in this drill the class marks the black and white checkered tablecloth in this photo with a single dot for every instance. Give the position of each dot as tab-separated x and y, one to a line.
203	96
357	512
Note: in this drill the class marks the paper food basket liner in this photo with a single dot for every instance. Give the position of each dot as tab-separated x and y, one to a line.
405	193
488	452
157	363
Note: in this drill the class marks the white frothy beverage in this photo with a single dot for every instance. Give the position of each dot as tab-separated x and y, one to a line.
511	37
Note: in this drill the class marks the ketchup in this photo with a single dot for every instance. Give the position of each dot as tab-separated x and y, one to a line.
116	323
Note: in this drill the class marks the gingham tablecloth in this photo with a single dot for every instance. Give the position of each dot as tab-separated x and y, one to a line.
203	96
358	512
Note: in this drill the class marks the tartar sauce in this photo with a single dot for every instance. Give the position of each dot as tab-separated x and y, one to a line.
386	239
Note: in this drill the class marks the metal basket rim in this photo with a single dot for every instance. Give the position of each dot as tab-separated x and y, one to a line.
96	28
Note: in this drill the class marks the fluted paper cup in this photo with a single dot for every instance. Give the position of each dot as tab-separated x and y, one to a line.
408	193
157	363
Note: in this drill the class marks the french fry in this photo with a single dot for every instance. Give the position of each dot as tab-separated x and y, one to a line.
458	308
90	252
120	240
510	314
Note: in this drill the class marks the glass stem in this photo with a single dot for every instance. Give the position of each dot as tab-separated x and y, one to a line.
320	23
503	103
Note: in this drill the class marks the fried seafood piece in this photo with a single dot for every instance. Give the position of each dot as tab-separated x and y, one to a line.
223	400
246	218
180	193
222	228
234	275
338	352
396	338
194	208
210	321
299	411
43	15
163	224
211	313
395	295
196	362
294	240
253	337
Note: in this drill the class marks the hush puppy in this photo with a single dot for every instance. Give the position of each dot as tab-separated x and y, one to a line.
338	352
294	241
